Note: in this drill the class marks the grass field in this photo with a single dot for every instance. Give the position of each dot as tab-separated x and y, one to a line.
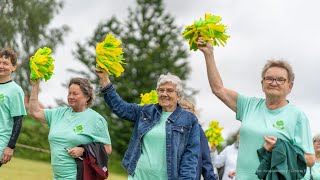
23	169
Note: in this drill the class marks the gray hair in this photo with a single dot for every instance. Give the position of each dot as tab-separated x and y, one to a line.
281	64
85	87
316	137
166	78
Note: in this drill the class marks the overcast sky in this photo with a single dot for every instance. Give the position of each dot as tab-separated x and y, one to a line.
259	30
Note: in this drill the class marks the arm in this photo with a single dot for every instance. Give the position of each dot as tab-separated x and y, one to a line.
118	106
8	151
34	108
207	167
189	159
108	148
310	159
227	96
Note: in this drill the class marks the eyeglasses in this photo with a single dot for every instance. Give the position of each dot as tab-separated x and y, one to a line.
162	91
279	80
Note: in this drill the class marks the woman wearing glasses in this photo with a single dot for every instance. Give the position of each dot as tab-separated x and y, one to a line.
165	139
315	170
263	120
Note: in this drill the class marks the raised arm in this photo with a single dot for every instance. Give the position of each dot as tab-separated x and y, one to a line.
227	96
34	108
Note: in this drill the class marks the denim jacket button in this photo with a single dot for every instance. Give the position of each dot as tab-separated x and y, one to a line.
181	130
144	119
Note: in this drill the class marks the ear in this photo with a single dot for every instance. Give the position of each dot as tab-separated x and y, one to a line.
290	86
13	68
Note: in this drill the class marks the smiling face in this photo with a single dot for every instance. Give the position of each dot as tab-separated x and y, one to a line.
276	76
167	96
76	99
6	68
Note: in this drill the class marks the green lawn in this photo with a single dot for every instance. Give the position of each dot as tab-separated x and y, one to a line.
23	169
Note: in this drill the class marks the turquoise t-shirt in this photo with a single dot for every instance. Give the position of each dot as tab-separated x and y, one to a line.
315	171
69	129
287	123
152	163
11	105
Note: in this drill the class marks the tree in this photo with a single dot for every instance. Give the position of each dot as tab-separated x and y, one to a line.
25	28
152	46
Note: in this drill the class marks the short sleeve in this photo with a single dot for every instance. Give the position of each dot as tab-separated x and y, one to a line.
101	133
302	135
55	113
16	104
242	103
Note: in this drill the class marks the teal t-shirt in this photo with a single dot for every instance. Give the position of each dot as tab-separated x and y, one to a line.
11	105
257	121
152	163
69	129
315	171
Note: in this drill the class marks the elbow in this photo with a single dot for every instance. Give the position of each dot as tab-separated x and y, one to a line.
310	159
108	149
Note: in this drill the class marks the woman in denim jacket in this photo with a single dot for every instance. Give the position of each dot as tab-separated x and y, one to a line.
165	140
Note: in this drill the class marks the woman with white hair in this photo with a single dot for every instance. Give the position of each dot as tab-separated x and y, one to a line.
315	169
165	139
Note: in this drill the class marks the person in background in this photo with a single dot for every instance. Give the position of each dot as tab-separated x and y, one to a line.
70	126
315	170
205	167
12	107
263	120
165	139
227	159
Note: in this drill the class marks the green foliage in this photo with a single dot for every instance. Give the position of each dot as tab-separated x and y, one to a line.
25	28
35	134
152	45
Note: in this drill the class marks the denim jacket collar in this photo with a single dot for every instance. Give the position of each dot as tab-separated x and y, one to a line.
175	114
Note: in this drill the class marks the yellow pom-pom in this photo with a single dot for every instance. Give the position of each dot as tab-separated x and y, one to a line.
210	29
109	56
214	134
149	98
41	64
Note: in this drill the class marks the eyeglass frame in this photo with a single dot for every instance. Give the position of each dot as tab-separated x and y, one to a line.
164	90
274	79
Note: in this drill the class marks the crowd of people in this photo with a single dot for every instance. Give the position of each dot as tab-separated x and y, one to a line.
167	141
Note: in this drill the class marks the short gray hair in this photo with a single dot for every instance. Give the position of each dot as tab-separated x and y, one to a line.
166	78
281	64
316	137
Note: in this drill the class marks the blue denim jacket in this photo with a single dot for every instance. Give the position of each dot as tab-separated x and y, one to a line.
205	167
182	135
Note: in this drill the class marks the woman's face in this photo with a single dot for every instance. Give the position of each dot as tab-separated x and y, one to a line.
168	97
6	67
187	106
76	99
275	89
316	145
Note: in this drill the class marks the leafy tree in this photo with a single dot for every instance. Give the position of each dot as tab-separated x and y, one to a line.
25	28
152	45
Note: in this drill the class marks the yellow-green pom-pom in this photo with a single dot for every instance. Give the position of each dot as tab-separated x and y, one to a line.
149	98
210	29
109	56
41	64
214	134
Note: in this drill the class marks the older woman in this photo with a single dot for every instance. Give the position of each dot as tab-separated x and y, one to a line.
12	107
70	126
315	170
205	167
165	139
263	120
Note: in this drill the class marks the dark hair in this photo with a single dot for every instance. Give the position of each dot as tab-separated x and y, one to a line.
85	87
9	53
